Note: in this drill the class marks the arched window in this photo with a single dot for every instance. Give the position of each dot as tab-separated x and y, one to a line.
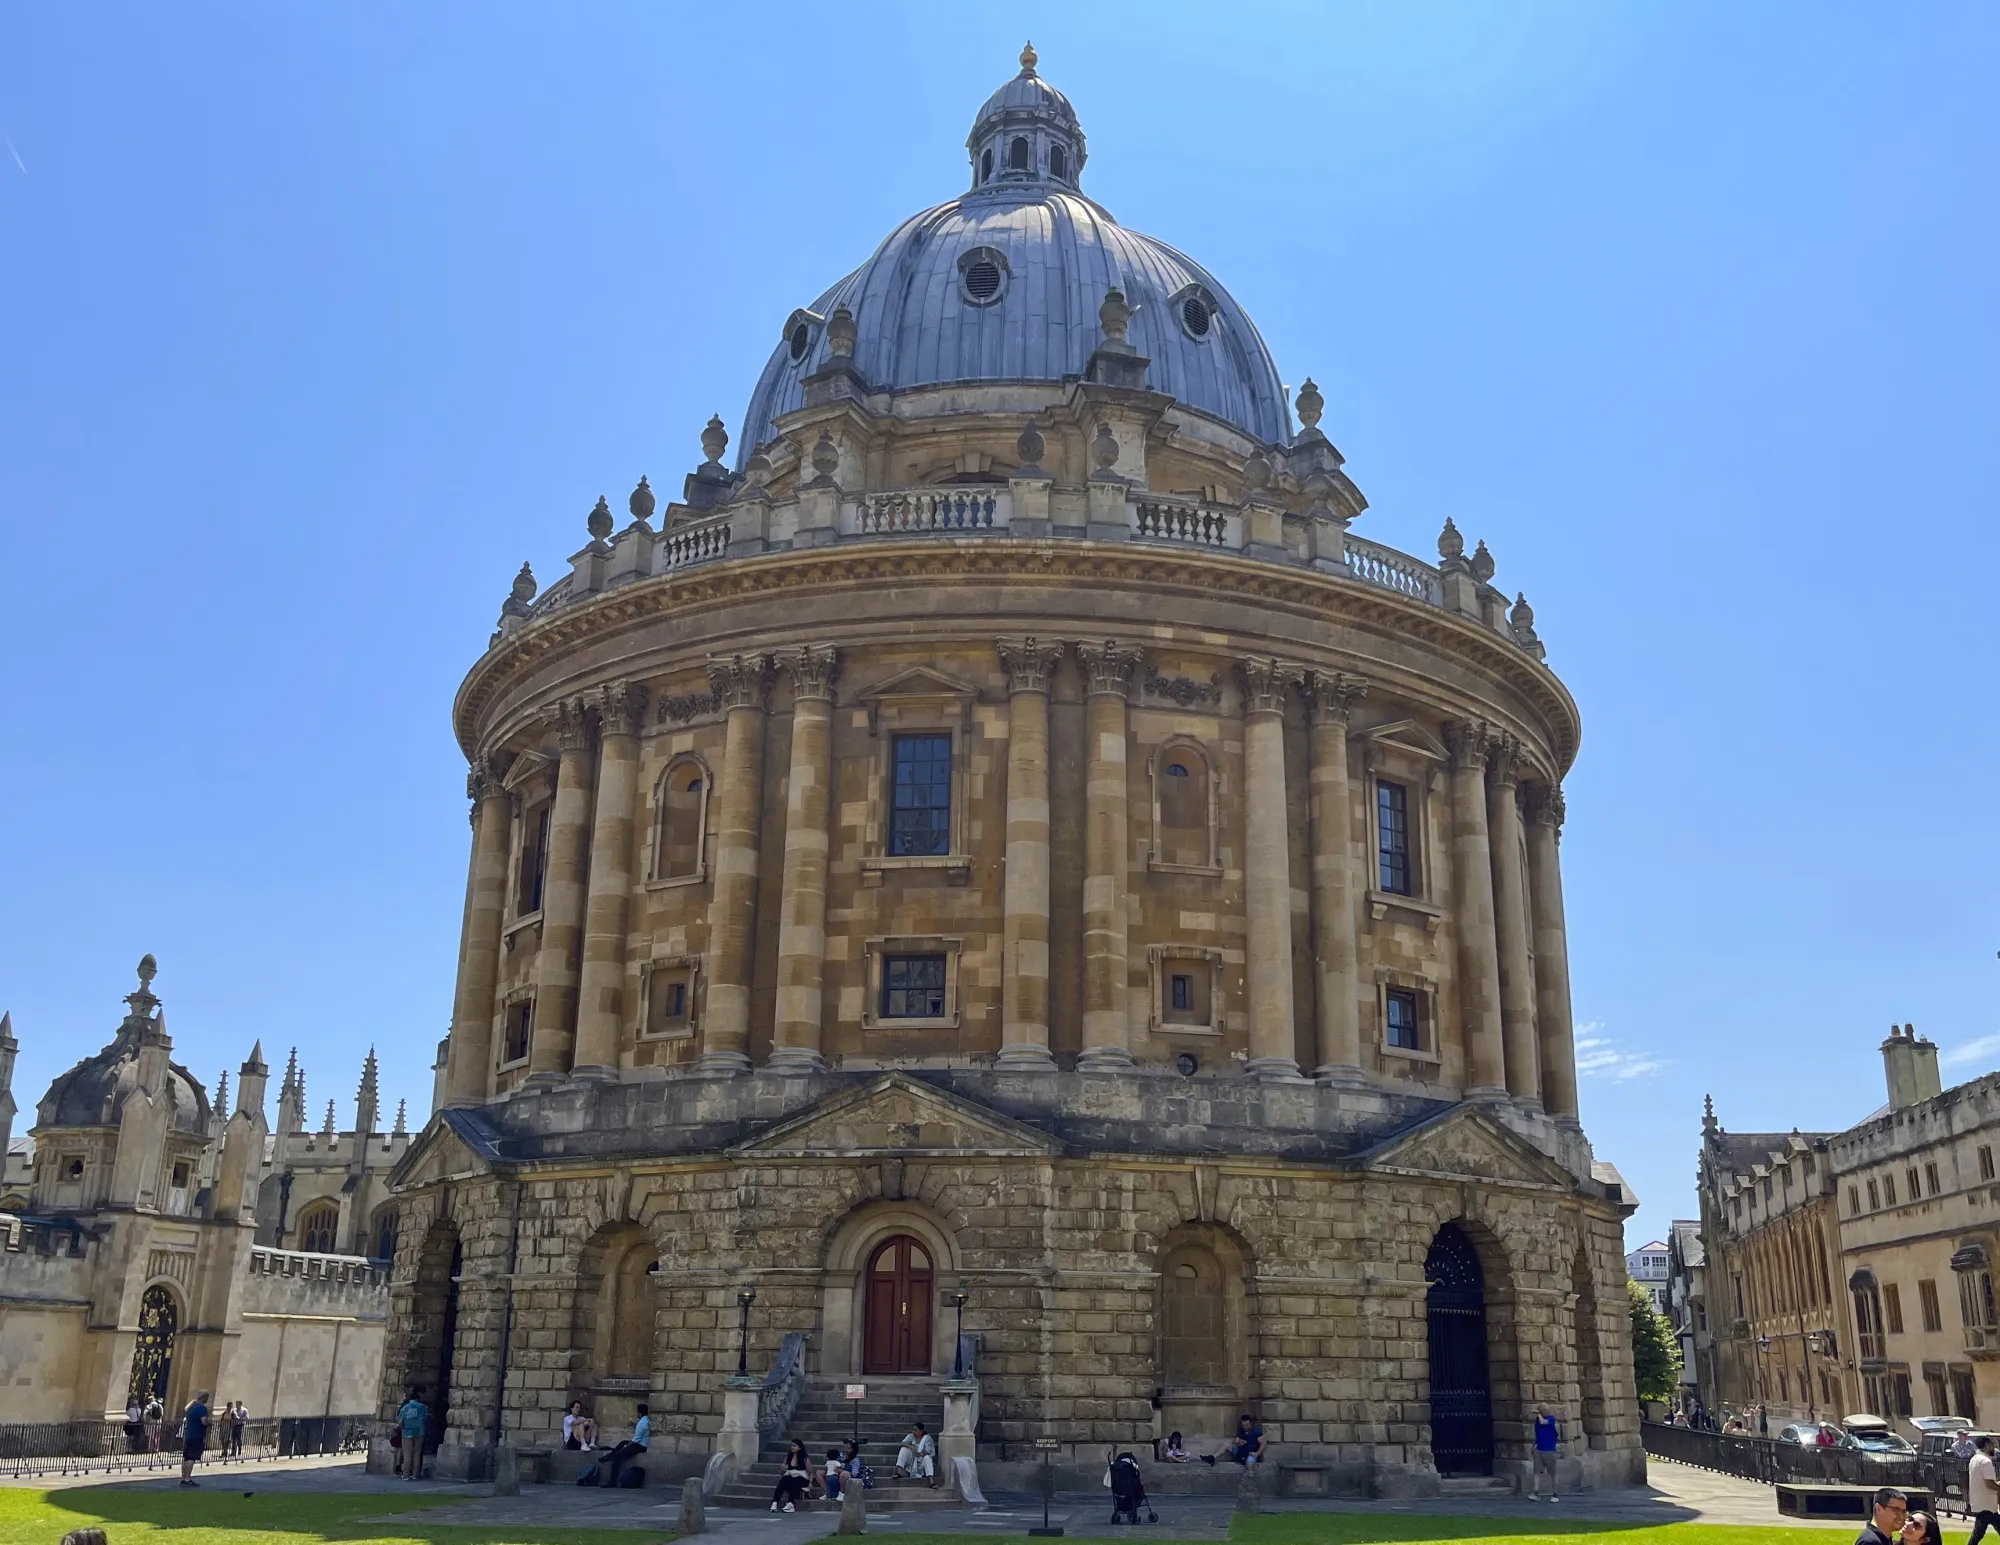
384	1233
1058	162
319	1225
1183	807
1192	1345
1017	156
681	802
986	165
620	1273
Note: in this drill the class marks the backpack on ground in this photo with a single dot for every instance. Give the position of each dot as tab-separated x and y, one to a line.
588	1478
631	1477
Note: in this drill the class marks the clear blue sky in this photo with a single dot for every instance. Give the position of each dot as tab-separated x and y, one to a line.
318	320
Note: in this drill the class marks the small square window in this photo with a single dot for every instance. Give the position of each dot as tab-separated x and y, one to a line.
913	986
920	796
1400	1018
1392	831
73	1170
669	999
180	1179
1181	994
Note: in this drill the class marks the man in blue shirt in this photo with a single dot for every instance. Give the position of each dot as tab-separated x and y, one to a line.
194	1435
1247	1448
632	1448
412	1420
1547	1436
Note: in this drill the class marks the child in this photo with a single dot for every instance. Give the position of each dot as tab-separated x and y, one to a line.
1176	1453
833	1474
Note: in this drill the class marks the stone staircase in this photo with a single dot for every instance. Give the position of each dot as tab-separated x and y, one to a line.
824	1420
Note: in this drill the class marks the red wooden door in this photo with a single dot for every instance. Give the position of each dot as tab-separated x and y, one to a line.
896	1335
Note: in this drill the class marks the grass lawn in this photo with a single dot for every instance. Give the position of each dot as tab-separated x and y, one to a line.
216	1516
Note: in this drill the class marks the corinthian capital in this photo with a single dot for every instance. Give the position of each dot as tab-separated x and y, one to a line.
1029	663
739	680
1504	758
1331	695
1267	684
1468	741
813	669
1545	804
571	723
1108	667
483	776
621	708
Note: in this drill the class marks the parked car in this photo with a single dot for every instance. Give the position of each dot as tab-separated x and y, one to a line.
1938	1434
1878	1441
1801	1435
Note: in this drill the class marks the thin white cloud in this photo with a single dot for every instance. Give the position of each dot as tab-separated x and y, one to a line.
1973	1051
1599	1056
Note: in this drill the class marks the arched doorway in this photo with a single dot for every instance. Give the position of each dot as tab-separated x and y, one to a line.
897	1333
1201	1347
1461	1392
433	1334
153	1354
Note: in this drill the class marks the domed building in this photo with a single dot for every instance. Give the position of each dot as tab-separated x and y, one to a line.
1002	896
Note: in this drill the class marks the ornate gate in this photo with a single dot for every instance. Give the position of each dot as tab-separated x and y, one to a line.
153	1355
1461	1399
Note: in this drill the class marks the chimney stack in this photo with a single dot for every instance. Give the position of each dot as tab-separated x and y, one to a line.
1910	1066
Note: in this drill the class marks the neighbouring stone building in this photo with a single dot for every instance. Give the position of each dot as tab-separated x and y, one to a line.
1854	1269
135	1258
1006	849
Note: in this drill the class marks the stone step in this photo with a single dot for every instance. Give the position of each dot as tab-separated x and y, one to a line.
1474	1486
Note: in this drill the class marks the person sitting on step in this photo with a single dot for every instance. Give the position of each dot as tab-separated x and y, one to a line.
794	1480
917	1458
851	1462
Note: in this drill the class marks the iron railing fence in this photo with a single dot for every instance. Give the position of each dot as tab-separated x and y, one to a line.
76	1447
1766	1459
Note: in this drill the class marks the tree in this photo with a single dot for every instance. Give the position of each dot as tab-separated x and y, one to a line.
1656	1354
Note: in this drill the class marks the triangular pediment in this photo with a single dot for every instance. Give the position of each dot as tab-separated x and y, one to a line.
897	1115
917	681
1409	737
451	1148
1466	1144
526	768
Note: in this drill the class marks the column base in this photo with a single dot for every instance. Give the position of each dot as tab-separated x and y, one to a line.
1485	1094
1569	1123
593	1073
1342	1076
1025	1057
1273	1070
1104	1059
797	1060
548	1078
722	1064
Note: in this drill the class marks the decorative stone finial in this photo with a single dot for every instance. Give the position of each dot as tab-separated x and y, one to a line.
402	1118
1482	564
714	439
1114	315
142	1002
329	1129
524	587
840	333
1257	473
757	470
825	455
1310	404
599	521
1104	448
222	1092
1522	617
148	969
642	504
1450	543
1031	445
1029	58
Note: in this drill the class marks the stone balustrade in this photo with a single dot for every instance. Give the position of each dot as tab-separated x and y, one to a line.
757	525
311	1265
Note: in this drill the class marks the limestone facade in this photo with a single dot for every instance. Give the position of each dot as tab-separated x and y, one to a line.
1015	816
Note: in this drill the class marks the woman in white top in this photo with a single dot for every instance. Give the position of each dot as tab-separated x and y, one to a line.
917	1458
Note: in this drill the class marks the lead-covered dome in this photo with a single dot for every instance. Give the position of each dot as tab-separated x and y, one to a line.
1004	283
93	1093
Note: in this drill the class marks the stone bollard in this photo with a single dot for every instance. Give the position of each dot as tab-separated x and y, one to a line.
853	1513
694	1507
507	1472
1248	1499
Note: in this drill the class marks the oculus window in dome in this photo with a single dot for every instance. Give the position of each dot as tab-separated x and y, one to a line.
1003	283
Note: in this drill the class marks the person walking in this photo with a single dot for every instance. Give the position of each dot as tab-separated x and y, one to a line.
1548	1436
194	1436
412	1418
152	1419
239	1418
1982	1494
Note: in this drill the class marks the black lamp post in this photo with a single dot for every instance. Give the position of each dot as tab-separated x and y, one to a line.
745	1297
957	1301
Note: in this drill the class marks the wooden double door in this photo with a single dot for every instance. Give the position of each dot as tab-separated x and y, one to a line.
896	1336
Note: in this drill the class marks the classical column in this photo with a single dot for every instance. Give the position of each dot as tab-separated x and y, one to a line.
1331	699
470	1057
554	1031
739	682
600	1014
1107	1033
1469	741
795	1040
1510	912
1552	1008
1024	987
1267	871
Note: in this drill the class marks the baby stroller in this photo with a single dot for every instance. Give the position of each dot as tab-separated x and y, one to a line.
1128	1492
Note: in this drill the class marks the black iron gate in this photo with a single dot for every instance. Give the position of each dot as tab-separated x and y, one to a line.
1461	1400
153	1352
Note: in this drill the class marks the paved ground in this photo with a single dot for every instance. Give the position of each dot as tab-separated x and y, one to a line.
1676	1494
